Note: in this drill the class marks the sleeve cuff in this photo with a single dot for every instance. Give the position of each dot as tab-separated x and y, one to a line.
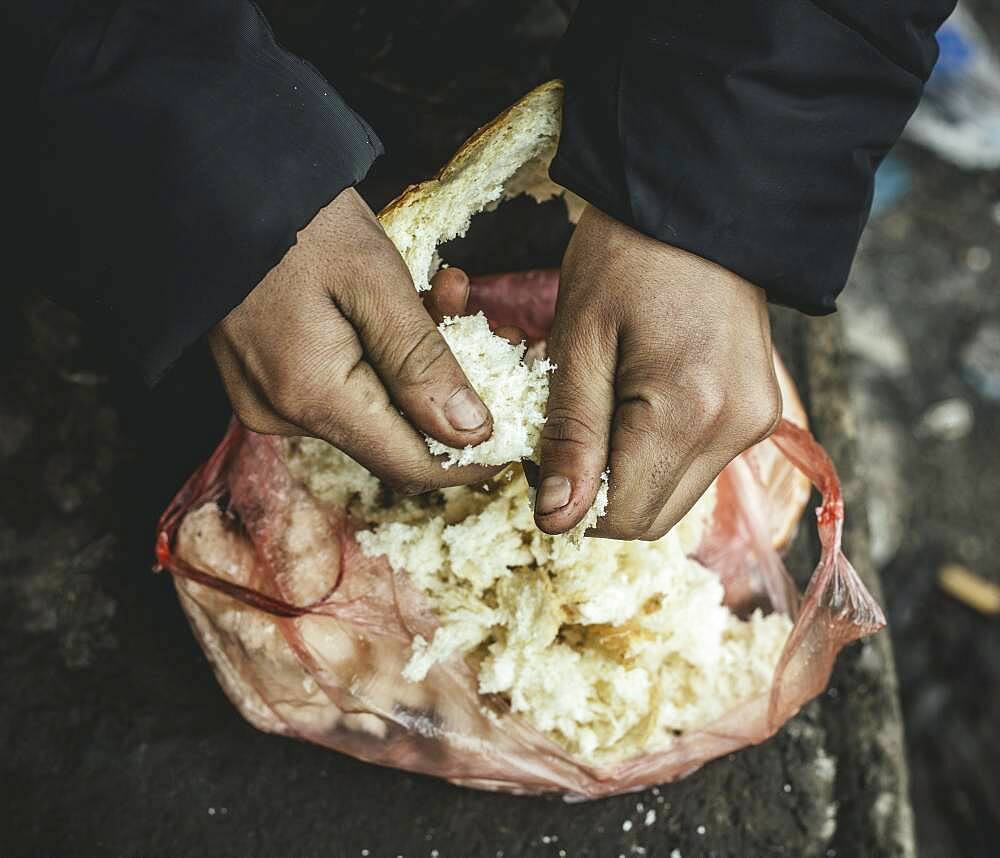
749	136
184	149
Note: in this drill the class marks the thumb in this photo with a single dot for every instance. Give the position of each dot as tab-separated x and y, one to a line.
411	357
574	447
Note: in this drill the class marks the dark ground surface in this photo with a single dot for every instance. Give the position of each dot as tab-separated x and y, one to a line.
915	305
118	742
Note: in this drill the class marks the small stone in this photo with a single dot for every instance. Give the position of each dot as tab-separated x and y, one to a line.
83	378
627	825
787	787
981	361
947	420
978	259
873	336
15	429
650	817
700	829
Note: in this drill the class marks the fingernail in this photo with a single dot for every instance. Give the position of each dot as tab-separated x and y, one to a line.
553	494
464	411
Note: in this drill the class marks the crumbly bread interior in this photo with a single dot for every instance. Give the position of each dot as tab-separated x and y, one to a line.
611	648
505	159
515	392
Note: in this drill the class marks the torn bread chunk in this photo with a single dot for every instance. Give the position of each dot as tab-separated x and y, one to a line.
508	157
611	648
515	393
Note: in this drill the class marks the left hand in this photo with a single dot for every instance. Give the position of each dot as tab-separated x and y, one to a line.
664	375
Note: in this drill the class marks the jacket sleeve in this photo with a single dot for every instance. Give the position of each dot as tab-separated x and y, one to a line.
181	151
745	131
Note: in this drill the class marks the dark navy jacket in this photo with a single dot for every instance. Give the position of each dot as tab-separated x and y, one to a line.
181	148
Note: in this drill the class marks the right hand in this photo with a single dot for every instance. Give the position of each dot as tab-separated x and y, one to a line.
334	342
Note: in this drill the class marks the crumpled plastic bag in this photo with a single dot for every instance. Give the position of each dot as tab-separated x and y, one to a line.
308	637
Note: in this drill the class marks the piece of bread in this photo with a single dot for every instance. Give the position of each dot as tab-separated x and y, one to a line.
515	392
297	676
508	157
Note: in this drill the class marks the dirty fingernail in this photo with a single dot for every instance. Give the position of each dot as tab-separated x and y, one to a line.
553	495
464	411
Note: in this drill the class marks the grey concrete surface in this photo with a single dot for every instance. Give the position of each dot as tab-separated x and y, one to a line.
118	741
925	287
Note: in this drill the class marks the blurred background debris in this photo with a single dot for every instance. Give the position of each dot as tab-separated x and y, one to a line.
923	320
959	117
968	587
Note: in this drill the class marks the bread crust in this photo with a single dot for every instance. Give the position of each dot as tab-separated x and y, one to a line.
470	150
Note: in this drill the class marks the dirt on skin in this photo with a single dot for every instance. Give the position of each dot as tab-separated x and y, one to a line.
118	740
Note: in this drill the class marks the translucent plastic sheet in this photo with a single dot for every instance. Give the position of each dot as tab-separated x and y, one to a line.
308	637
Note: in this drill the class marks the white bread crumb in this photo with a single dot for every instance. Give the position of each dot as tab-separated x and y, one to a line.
611	648
516	394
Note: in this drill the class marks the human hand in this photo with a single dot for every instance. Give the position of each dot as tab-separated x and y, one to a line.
335	341
664	375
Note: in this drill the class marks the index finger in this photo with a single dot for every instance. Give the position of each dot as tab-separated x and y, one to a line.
448	295
337	396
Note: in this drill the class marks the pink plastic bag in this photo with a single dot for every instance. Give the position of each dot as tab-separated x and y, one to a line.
308	637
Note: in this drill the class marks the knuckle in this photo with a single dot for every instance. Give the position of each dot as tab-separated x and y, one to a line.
765	414
629	524
418	364
408	478
708	400
407	485
252	420
642	414
286	403
657	530
256	419
629	530
285	388
565	429
311	414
